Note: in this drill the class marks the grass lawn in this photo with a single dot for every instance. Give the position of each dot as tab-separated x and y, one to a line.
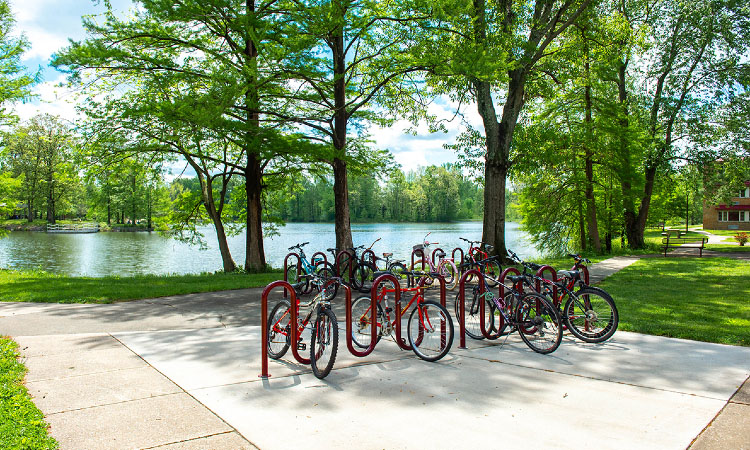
22	425
729	233
703	299
50	288
729	248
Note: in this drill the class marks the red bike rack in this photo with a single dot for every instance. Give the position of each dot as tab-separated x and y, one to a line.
462	299
585	274
459	261
506	272
286	265
351	264
325	258
264	325
540	273
367	255
435	252
422	256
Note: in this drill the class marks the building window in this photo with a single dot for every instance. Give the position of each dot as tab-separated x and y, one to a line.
744	216
734	216
723	216
745	193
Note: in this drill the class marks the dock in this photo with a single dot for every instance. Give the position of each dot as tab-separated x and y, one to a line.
73	228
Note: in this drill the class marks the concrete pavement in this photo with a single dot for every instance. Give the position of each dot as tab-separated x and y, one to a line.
181	373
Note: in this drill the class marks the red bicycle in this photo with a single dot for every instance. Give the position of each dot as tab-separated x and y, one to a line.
429	328
490	267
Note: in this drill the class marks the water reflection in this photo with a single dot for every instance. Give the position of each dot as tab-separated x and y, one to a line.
100	254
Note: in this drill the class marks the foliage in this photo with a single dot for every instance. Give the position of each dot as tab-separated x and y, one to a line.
15	83
741	238
22	425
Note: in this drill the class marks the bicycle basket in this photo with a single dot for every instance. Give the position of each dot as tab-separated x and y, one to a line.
418	247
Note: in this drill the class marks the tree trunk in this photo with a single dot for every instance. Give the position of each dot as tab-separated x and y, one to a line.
591	221
255	257
50	201
340	118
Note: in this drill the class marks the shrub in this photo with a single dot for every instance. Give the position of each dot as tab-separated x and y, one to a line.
742	238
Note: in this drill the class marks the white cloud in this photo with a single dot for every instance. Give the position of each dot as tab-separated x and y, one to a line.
51	99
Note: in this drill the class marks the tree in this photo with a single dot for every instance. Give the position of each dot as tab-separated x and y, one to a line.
14	82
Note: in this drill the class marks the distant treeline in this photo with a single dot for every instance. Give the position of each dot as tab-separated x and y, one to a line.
430	194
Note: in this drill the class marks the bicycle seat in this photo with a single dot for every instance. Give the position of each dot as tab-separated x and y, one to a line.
516	278
387	255
568	273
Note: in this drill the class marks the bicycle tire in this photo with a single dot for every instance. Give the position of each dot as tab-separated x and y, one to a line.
492	272
398	269
473	324
538	322
293	277
324	342
424	321
362	274
362	319
278	346
592	306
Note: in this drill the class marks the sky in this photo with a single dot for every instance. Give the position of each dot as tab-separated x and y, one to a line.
49	24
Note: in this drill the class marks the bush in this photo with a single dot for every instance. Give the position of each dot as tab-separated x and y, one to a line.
742	238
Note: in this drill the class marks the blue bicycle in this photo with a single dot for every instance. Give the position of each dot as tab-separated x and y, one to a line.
300	275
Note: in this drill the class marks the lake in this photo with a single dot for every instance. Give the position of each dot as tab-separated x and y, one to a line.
101	254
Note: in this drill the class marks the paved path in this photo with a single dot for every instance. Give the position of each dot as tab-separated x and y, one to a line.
181	373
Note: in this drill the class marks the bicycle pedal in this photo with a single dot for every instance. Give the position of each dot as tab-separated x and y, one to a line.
388	309
301	346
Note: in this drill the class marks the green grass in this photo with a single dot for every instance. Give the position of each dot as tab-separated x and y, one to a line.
22	425
45	287
729	233
703	299
729	248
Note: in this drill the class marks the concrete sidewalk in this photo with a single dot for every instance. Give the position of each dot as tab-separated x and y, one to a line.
182	373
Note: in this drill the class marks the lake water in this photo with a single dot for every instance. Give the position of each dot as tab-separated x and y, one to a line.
101	254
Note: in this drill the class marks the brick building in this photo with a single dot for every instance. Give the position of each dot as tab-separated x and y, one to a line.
735	216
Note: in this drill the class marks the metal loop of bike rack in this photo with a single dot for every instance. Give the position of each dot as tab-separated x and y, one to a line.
460	261
264	325
540	273
325	258
351	264
367	255
462	300
422	257
373	308
286	265
585	274
435	253
506	272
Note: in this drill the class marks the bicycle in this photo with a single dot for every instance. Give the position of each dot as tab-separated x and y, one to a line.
324	337
493	268
535	318
445	268
299	274
589	313
429	327
347	266
368	268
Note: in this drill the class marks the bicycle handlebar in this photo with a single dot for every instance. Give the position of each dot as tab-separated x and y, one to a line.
299	246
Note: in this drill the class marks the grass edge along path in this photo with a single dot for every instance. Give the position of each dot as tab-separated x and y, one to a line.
45	287
702	299
22	425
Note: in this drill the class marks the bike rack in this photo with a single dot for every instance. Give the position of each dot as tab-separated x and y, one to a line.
373	307
506	272
325	258
264	325
435	252
351	264
286	265
462	299
540	273
367	255
585	274
422	256
453	255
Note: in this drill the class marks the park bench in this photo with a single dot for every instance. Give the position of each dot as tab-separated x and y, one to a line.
678	241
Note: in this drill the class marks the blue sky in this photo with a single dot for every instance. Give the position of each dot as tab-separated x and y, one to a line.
49	24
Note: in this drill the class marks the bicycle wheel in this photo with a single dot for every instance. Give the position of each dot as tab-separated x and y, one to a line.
450	273
362	321
278	330
591	315
398	269
430	331
492	270
471	306
361	276
538	323
293	277
324	342
331	287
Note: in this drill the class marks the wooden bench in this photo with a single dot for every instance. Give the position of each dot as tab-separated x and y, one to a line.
683	242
